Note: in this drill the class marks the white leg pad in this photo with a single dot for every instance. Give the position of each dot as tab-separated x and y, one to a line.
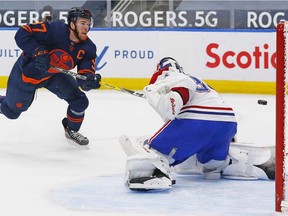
212	169
142	162
132	147
262	155
140	166
242	167
191	166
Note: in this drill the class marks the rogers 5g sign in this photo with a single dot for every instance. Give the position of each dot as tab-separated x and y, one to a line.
11	18
258	19
196	19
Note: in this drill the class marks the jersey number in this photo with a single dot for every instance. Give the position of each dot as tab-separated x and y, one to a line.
201	86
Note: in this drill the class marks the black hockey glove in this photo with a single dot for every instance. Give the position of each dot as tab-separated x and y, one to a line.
42	58
92	82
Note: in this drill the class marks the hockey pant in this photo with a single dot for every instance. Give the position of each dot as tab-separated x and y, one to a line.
20	95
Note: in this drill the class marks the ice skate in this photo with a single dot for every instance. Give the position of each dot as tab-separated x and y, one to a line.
158	181
74	137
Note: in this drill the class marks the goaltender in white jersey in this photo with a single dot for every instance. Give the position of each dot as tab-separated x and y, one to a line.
199	127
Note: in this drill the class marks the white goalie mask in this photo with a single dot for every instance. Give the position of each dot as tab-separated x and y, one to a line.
169	62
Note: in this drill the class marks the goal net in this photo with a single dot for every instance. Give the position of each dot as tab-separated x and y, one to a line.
281	181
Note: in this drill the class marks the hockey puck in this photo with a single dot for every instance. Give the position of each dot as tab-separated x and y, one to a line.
262	102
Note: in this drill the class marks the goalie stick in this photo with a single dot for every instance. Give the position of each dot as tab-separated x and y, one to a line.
82	77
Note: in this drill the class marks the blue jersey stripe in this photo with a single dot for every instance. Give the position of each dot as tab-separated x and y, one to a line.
210	113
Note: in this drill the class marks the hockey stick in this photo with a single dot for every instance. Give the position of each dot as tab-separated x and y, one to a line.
82	77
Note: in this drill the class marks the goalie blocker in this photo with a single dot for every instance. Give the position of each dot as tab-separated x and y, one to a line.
147	169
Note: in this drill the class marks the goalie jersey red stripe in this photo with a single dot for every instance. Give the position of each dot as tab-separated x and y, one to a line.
207	113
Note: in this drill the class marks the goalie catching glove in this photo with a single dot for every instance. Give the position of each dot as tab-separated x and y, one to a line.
92	82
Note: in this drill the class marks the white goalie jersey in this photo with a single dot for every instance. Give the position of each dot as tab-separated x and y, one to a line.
202	102
199	125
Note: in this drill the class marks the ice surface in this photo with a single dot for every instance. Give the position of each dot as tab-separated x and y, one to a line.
42	175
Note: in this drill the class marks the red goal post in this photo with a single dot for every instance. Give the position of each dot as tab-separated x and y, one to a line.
281	197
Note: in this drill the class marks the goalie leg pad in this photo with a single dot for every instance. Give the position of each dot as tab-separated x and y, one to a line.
212	169
262	155
242	165
142	173
146	169
191	166
132	147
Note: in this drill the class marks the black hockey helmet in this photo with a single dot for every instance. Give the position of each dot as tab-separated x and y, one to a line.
169	62
76	12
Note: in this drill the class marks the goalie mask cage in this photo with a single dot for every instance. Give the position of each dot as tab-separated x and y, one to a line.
281	180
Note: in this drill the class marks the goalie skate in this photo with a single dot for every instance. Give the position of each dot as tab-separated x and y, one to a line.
159	181
149	183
